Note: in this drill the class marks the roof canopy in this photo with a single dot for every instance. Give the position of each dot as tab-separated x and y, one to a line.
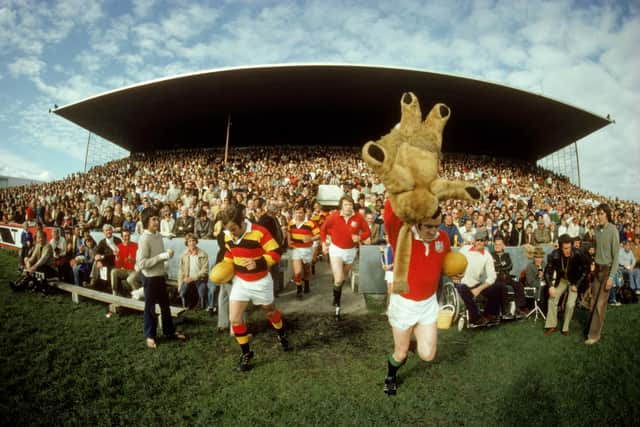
322	104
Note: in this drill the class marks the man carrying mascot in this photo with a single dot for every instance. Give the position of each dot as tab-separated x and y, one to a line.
407	161
415	311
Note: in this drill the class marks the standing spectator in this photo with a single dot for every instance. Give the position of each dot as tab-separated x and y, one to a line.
607	250
345	228
150	261
268	220
193	272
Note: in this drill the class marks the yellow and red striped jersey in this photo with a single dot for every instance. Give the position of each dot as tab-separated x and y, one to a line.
297	232
256	244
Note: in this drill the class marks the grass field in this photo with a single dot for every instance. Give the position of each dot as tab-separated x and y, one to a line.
66	364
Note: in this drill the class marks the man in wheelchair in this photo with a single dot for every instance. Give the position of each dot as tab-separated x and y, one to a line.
480	264
40	265
503	266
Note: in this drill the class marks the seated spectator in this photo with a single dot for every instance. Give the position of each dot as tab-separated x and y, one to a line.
503	266
534	275
26	242
203	228
95	220
129	223
517	237
529	238
467	232
124	267
83	261
167	223
449	227
479	263
542	234
376	230
193	272
105	257
184	224
628	270
41	259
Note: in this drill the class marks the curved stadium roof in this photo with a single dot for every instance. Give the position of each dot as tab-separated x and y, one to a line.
329	104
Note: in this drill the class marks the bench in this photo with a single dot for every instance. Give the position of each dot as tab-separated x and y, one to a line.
112	300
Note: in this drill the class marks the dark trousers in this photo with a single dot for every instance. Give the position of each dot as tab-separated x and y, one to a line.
492	294
518	291
155	292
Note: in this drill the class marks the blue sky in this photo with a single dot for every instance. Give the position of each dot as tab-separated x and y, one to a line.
579	52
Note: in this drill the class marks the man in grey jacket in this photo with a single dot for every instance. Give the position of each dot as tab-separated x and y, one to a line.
607	249
150	261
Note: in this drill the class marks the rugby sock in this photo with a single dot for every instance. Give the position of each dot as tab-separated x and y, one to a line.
276	321
337	293
240	332
298	281
393	365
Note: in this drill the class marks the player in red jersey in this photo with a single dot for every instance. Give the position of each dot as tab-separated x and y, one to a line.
415	312
346	228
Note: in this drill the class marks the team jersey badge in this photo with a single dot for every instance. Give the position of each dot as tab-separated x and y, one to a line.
439	247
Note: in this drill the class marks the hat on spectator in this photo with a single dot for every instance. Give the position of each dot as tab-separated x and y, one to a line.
538	252
481	235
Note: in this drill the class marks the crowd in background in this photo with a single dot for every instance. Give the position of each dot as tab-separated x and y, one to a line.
522	201
523	204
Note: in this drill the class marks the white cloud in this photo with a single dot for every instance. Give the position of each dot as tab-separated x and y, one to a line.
30	67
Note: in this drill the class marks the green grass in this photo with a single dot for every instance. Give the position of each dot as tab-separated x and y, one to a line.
66	364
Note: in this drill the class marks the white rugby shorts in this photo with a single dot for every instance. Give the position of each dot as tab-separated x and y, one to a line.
304	254
259	292
404	313
346	255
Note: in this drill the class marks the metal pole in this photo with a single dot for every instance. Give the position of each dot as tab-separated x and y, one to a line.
226	145
86	152
575	144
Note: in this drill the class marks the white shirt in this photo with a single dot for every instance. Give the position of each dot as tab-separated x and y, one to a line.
477	265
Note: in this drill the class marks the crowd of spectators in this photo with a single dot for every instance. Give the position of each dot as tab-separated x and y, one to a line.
522	202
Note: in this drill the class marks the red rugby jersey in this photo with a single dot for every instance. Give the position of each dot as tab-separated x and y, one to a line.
425	265
341	229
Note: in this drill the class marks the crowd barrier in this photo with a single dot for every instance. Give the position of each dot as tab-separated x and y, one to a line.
370	273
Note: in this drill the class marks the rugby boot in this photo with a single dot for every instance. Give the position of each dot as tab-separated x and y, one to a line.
284	343
338	312
244	366
390	386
